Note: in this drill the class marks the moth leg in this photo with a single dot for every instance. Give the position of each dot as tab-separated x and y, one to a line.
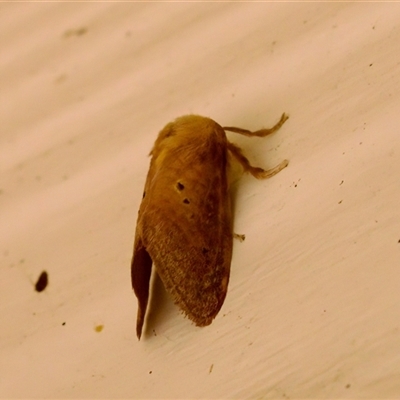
240	237
140	275
260	132
257	172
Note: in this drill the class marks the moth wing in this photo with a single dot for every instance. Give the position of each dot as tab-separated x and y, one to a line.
140	275
185	224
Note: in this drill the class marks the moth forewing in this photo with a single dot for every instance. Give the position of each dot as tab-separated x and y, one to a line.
185	220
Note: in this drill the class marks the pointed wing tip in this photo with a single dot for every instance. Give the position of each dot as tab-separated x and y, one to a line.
139	325
202	320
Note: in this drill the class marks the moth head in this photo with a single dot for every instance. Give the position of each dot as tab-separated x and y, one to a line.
189	130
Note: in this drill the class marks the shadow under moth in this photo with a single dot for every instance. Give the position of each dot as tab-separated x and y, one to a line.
185	221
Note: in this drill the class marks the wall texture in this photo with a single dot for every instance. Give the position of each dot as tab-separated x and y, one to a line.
313	307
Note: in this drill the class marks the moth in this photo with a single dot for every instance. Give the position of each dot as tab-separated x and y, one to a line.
185	218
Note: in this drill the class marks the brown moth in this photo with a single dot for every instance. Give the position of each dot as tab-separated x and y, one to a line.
184	224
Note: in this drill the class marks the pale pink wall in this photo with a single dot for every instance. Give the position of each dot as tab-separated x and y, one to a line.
313	306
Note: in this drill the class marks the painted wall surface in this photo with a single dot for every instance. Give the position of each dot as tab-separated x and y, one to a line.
313	306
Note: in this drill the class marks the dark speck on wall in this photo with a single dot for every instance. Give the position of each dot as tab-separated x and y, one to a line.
42	282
